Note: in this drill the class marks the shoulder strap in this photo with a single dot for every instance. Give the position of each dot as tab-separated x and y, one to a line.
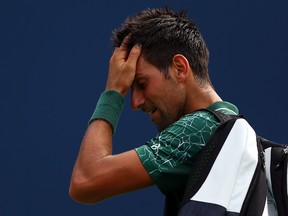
222	117
268	143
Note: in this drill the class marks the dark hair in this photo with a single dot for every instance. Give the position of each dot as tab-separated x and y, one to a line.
162	34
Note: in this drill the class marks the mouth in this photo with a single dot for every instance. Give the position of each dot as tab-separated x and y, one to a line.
154	109
150	112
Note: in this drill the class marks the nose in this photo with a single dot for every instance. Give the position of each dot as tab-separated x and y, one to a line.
137	98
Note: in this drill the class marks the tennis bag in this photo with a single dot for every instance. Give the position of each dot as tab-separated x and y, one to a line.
237	173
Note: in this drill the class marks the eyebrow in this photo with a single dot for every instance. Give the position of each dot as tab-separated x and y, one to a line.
140	75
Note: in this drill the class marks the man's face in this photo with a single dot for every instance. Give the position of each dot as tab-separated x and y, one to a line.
162	98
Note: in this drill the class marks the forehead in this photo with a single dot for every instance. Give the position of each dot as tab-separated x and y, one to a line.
143	67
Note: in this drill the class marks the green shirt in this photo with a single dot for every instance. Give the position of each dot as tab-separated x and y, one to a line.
168	156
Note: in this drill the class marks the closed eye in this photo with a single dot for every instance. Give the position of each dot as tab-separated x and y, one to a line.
142	83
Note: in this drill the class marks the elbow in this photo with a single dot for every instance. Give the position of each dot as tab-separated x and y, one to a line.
83	192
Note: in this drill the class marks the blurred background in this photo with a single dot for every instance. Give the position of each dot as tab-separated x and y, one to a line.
53	66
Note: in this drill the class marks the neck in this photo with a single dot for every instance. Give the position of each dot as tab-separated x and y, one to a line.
201	98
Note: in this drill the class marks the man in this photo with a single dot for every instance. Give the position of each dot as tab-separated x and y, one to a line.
161	56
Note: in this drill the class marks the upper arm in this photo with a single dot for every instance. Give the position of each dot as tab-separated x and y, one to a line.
114	174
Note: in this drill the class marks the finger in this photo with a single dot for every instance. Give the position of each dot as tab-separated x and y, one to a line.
121	52
125	42
123	45
134	54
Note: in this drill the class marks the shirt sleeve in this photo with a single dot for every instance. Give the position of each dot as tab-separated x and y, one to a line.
168	156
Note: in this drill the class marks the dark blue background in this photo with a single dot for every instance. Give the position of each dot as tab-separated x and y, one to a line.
53	66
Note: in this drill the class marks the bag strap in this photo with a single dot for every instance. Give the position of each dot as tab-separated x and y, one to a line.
268	143
222	117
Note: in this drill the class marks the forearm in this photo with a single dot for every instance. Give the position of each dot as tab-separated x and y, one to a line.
96	144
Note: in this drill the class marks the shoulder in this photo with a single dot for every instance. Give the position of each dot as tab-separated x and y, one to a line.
192	129
172	149
189	126
197	118
224	107
168	156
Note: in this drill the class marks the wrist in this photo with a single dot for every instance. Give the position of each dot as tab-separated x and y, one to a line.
121	90
108	108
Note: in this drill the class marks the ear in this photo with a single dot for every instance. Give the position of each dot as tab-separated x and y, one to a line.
182	67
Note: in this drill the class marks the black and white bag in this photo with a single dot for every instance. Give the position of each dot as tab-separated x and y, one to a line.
230	176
